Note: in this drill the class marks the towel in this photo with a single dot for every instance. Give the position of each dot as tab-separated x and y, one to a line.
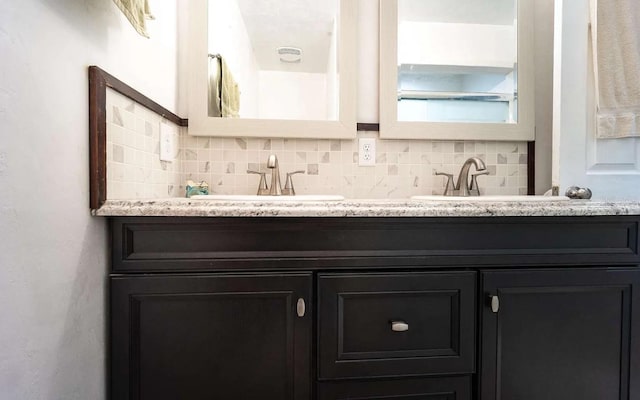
224	93
615	34
137	12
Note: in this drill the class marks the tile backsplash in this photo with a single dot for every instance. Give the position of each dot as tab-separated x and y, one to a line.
134	169
403	167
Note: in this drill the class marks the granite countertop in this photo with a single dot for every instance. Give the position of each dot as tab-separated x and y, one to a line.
181	207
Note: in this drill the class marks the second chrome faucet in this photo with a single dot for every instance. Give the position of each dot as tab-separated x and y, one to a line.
276	188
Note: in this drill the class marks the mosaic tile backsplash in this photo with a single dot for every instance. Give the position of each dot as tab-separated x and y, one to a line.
403	167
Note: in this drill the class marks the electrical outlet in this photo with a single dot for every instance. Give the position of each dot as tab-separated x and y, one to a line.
367	152
168	145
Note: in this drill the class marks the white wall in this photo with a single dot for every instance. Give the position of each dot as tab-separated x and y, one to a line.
53	254
292	95
228	37
544	91
465	44
368	61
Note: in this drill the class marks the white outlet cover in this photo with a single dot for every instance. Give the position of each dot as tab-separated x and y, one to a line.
367	152
168	142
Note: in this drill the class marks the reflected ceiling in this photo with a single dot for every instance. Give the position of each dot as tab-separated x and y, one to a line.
493	12
307	24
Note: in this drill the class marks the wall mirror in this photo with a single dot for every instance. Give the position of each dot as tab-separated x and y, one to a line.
272	68
456	69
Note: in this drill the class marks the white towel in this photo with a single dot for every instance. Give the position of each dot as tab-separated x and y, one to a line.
615	32
137	12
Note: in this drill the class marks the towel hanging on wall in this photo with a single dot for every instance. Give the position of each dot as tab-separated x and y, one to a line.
615	33
224	93
137	12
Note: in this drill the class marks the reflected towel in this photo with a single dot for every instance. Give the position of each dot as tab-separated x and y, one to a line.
137	12
224	93
615	32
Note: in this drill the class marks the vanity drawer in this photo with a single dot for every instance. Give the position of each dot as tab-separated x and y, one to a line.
396	324
450	388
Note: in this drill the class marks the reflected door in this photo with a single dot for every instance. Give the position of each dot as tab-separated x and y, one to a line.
609	167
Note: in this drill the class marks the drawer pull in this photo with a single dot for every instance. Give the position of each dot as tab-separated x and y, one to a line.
399	326
301	307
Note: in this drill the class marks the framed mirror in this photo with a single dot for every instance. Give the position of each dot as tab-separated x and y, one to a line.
456	69
272	68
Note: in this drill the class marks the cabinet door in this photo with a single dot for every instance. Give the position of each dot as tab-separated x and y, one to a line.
561	334
204	337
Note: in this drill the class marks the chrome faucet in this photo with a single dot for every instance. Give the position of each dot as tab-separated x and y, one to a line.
463	187
276	187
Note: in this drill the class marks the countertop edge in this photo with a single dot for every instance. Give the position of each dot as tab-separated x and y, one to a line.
180	207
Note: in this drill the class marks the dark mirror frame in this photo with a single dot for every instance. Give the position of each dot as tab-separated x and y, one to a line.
99	81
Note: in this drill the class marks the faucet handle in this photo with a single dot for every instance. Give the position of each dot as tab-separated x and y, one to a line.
474	189
448	189
263	189
288	189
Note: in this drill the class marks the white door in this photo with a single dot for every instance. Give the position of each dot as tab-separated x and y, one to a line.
609	167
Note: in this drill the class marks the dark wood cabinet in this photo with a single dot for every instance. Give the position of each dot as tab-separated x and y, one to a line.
211	336
375	308
561	334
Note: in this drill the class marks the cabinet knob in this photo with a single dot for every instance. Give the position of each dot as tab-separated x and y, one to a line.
495	303
301	307
399	326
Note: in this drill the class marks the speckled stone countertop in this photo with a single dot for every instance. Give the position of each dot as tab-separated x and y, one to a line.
181	207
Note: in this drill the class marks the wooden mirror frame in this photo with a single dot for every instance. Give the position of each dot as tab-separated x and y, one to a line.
391	128
203	125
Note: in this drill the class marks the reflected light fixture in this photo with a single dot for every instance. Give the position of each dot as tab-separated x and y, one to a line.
289	54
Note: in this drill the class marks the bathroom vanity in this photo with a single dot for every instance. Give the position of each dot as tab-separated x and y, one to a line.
365	299
374	300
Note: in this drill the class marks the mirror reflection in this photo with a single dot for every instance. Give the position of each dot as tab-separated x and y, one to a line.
457	61
273	59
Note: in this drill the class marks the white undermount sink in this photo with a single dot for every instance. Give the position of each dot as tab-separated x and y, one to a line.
524	199
253	197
